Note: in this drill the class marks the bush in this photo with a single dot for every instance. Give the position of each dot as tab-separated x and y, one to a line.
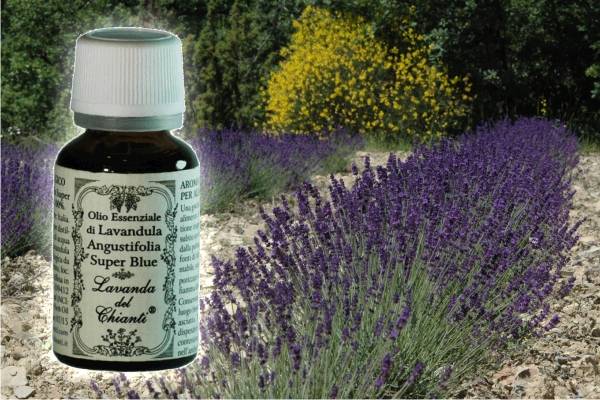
336	73
27	176
517	53
235	165
404	283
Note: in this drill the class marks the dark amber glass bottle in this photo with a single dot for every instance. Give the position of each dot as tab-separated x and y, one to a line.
126	210
126	152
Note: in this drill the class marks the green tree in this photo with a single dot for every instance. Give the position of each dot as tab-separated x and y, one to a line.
38	38
518	53
233	53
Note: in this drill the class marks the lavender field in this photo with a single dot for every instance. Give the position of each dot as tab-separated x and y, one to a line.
403	283
409	277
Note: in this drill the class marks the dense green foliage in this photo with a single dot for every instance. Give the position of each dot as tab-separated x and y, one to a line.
232	56
522	56
230	46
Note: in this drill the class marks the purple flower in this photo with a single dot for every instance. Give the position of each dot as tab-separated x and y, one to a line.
334	392
378	327
152	390
96	389
26	184
415	373
296	355
552	323
475	228
205	362
235	359
117	386
567	287
236	164
403	319
386	365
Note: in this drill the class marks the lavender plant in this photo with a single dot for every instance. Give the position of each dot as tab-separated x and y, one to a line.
237	165
401	284
26	197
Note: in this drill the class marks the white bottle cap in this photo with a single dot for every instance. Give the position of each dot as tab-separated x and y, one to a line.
128	79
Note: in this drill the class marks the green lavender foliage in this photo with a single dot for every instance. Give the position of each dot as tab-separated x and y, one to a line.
353	366
488	219
238	165
26	192
407	283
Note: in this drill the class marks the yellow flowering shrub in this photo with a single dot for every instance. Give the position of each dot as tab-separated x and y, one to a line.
336	73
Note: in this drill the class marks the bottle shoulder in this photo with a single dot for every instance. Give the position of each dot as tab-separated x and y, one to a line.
127	152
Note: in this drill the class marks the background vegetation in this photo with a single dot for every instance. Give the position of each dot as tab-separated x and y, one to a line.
335	72
523	57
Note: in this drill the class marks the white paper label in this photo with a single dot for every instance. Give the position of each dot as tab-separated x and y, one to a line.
125	261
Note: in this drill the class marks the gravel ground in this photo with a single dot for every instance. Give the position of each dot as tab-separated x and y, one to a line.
562	363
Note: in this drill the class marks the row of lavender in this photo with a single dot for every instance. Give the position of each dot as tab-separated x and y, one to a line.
26	188
234	165
402	284
237	165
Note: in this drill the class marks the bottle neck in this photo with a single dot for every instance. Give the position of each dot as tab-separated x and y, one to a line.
129	124
134	136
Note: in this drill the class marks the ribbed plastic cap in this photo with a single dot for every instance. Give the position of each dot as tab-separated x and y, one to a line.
128	79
